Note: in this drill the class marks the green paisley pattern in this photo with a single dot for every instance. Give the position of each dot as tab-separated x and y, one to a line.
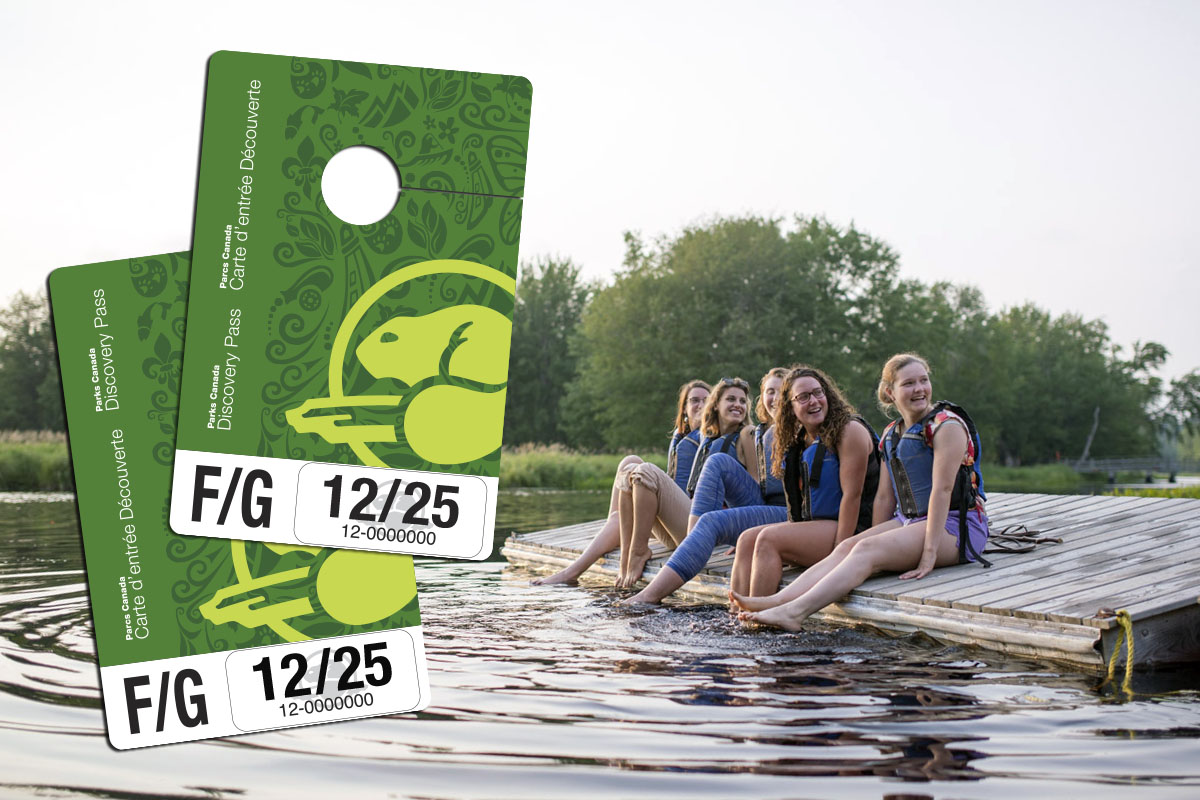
163	318
459	142
208	565
446	130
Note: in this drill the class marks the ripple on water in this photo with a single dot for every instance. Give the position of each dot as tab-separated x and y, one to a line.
541	692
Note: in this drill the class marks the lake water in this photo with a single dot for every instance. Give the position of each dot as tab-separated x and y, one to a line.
549	693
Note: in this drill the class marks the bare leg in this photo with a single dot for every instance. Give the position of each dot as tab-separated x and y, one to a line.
607	540
625	520
743	559
666	581
645	510
609	537
896	550
803	543
811	575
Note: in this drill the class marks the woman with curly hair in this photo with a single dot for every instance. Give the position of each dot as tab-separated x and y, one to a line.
656	505
830	470
685	440
932	457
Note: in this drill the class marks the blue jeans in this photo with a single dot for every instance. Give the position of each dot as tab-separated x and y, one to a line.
719	528
724	482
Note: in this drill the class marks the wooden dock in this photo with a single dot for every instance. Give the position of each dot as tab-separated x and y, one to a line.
1137	554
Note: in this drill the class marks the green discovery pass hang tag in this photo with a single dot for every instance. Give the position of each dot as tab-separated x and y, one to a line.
344	384
202	637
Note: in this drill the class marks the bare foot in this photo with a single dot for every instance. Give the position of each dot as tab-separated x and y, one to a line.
778	617
563	576
638	599
748	603
637	565
621	581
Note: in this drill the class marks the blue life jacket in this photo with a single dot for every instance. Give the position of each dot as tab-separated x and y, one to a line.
772	487
812	480
909	457
723	444
680	456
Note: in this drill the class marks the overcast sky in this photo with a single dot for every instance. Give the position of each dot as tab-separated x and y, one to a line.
1042	151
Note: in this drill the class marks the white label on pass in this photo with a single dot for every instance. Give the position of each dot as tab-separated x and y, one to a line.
404	511
262	688
323	680
165	701
333	505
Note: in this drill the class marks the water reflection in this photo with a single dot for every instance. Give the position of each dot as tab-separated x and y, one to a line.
547	692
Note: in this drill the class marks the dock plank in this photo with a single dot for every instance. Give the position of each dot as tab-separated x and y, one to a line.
1168	602
1106	585
1116	595
960	584
1132	553
1020	573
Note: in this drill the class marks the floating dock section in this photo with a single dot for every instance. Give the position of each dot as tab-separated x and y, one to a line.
1140	555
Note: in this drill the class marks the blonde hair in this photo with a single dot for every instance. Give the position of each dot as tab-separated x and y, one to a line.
682	423
710	421
760	407
888	377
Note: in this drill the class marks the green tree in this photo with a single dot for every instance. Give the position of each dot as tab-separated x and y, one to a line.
738	296
945	323
550	300
1183	405
1046	378
32	399
729	297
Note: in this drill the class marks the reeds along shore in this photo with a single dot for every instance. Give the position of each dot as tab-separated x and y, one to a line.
33	461
555	467
38	461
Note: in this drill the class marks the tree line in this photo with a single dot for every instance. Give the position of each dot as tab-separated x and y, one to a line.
597	366
31	398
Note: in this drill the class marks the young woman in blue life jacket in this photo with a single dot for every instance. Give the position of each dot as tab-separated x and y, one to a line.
722	480
830	469
729	498
685	441
656	505
919	525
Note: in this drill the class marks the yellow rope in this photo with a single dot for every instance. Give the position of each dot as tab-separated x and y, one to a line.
1126	631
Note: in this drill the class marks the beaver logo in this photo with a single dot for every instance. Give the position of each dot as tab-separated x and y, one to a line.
273	583
445	372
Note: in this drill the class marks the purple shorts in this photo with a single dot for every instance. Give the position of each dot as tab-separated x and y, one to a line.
977	529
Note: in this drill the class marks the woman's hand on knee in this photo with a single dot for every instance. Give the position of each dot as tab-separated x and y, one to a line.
924	567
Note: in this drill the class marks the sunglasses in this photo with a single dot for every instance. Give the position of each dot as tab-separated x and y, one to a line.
736	382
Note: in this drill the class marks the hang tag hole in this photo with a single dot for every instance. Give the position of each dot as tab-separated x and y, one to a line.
360	185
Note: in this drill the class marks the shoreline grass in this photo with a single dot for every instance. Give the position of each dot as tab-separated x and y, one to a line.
33	464
1154	491
556	467
1039	478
